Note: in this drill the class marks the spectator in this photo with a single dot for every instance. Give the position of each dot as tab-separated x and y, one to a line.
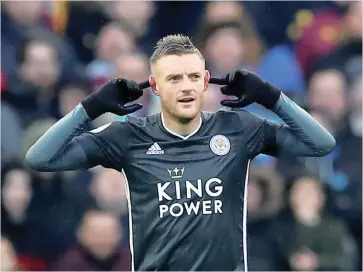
32	89
311	240
134	15
80	22
220	12
108	190
264	202
229	46
98	246
113	40
11	136
348	55
232	16
19	221
319	38
16	20
224	50
327	91
21	22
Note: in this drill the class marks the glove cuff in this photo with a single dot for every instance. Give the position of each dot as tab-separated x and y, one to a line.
270	97
92	107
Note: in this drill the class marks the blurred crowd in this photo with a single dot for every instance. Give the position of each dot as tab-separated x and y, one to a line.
305	214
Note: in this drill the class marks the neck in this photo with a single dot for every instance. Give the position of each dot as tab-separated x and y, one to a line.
182	127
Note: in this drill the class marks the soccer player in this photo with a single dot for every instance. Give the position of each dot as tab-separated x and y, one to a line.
186	170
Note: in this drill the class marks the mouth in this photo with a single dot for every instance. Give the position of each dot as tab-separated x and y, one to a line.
186	99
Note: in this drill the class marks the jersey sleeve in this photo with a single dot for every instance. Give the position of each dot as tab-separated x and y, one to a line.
259	134
300	135
106	145
68	145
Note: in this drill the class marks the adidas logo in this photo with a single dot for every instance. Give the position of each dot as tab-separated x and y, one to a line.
154	149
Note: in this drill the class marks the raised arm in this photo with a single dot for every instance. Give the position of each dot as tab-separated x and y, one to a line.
58	149
68	146
302	135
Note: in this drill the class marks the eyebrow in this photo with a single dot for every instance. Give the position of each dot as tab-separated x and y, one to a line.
175	75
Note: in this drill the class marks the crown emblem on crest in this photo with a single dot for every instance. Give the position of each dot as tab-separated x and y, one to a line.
176	172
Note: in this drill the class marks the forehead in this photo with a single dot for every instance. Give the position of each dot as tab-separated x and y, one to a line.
183	64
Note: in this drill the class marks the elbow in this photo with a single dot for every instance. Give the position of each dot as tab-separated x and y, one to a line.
35	162
326	147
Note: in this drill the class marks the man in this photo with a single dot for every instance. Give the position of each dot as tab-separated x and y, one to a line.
185	168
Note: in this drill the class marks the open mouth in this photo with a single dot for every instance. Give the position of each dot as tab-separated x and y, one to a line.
186	99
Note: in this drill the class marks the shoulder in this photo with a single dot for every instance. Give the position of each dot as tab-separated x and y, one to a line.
125	125
149	120
236	116
221	114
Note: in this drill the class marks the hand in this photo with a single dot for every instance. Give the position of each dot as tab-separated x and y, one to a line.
112	97
305	260
249	88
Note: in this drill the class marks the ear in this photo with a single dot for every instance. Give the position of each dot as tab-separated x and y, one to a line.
152	83
206	80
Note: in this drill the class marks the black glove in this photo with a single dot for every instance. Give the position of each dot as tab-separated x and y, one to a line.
249	88
112	97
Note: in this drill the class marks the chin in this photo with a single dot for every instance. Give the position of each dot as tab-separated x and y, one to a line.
188	114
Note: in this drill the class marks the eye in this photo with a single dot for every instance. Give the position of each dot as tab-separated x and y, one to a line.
173	79
196	77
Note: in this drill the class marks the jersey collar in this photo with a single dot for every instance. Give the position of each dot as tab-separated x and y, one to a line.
178	135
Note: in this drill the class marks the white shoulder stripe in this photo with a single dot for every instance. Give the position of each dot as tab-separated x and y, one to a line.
101	128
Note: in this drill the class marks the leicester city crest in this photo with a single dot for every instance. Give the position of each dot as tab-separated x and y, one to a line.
220	145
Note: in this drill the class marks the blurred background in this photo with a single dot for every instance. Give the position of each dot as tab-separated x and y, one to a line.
305	214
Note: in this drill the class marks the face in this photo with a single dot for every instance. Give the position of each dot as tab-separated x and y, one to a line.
222	11
132	66
354	19
136	14
180	81
327	91
17	191
225	50
114	41
255	196
41	65
24	12
100	234
108	188
306	196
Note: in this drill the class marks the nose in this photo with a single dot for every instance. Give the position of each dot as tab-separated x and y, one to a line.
186	85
